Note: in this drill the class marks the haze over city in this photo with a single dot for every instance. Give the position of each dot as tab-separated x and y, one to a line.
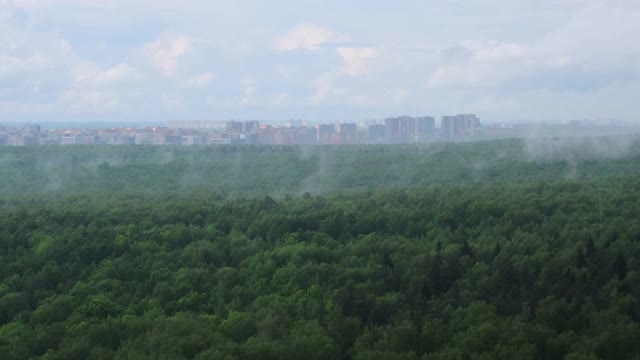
322	61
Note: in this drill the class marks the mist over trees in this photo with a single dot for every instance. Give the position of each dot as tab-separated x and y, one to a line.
295	170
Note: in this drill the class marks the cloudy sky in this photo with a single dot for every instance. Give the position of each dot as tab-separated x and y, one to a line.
143	60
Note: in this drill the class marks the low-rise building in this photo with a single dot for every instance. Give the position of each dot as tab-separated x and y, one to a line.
144	138
193	140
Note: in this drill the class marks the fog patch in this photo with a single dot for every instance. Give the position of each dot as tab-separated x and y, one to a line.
316	183
579	149
479	168
574	150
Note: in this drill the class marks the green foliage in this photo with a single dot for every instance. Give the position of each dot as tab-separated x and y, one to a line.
316	169
515	268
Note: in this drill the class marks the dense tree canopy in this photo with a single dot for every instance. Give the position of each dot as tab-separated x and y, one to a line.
317	170
516	268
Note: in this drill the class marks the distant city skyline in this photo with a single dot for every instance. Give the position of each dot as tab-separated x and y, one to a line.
105	124
393	130
318	60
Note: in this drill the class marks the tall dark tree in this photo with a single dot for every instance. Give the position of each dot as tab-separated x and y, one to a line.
620	266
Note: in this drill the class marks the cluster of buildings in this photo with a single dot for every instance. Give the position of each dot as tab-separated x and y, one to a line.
394	130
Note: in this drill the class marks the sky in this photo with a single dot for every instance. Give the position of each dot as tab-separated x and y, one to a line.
134	60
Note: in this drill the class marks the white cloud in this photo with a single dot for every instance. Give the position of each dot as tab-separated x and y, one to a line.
593	42
95	75
279	100
28	107
309	37
325	88
496	51
165	53
7	11
359	100
92	100
285	71
530	58
463	76
396	95
199	81
599	36
10	64
96	88
358	61
487	64
44	4
25	51
233	103
172	102
250	85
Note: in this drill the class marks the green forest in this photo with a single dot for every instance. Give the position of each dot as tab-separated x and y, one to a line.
508	249
296	170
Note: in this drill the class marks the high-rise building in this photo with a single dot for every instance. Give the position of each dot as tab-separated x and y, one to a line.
425	128
197	124
325	133
33	129
392	130
407	129
295	123
348	133
235	126
251	126
267	135
446	126
376	133
463	125
470	123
